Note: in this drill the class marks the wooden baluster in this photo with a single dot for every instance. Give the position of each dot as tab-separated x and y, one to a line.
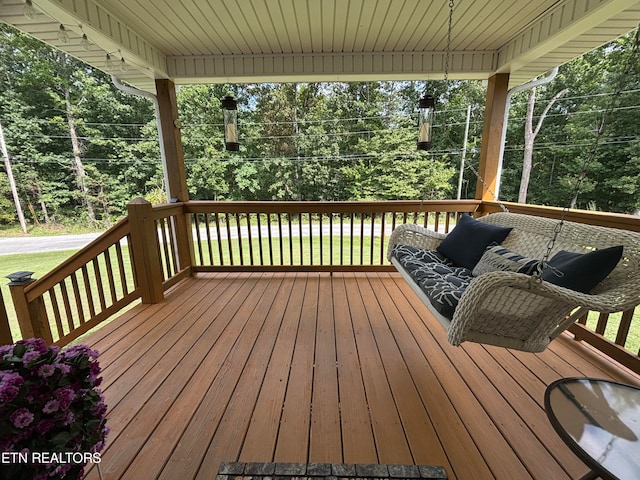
320	227
229	241
341	239
300	217
78	299
240	249
196	224
330	238
623	328
310	238
373	228
382	227
121	269
602	323
280	238
250	238
289	215
182	241
270	237
56	311
219	236
260	239
88	291
209	240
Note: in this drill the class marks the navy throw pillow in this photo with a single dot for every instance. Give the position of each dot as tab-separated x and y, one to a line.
466	243
582	271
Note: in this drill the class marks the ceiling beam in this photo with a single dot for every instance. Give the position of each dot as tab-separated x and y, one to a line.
331	67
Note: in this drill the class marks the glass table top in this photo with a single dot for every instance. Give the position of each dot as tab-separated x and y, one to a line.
600	421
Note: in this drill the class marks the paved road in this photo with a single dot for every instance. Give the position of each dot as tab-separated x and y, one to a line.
10	245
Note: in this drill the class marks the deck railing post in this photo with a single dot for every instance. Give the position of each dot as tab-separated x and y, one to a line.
32	316
145	250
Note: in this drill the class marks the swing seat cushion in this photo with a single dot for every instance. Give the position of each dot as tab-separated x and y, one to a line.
467	242
441	281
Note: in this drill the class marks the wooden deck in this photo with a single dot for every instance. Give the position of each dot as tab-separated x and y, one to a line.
319	368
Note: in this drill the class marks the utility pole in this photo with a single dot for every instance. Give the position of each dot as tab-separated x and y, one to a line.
12	182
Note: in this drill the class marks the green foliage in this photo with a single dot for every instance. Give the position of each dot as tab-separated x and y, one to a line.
302	141
568	135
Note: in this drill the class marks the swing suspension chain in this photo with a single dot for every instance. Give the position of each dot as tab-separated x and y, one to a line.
448	51
622	81
502	206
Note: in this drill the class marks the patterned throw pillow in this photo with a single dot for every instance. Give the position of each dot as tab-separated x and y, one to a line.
497	257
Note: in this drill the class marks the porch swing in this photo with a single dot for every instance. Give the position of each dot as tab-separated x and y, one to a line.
518	281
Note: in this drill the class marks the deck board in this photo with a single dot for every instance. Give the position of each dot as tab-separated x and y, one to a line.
323	368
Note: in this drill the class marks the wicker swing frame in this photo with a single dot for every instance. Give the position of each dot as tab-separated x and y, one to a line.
513	310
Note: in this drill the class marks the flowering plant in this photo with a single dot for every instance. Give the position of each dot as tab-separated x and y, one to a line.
50	410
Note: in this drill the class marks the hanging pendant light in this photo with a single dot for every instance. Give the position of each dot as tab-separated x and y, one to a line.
426	109
230	115
29	10
63	35
426	106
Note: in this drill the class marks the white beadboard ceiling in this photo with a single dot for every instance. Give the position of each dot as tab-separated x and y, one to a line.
196	41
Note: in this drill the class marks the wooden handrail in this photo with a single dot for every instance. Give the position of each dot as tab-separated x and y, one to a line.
332	207
612	220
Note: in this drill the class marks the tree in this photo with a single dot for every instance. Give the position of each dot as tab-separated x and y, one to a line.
529	137
12	182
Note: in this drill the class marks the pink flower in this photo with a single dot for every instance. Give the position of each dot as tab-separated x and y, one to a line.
46	370
30	356
10	384
65	396
51	406
69	418
63	367
21	418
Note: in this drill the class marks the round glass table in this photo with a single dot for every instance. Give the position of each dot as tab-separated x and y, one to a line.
600	421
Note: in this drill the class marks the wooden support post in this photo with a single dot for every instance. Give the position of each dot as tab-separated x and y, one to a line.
32	316
175	170
145	251
172	141
492	136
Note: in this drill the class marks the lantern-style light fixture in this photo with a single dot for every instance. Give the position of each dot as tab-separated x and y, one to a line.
230	115
426	108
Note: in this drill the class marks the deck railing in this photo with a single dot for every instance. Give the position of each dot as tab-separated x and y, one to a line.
155	247
138	258
90	286
308	236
